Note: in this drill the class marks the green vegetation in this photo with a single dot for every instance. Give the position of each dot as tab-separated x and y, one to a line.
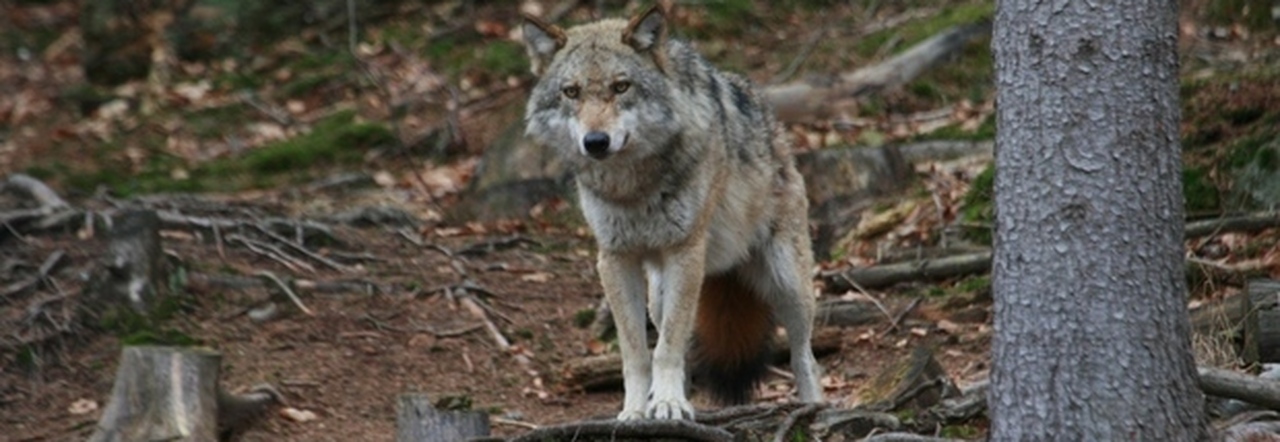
977	208
916	31
1200	194
335	140
583	318
458	56
135	328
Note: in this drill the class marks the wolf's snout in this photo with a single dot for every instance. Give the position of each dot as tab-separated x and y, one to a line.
596	144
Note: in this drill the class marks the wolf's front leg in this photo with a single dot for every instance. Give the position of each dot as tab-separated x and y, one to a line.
679	284
624	290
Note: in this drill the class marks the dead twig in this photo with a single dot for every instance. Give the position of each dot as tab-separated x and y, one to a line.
897	319
305	251
273	252
50	262
269	276
48	200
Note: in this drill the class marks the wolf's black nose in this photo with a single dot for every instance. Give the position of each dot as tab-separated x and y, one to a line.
596	144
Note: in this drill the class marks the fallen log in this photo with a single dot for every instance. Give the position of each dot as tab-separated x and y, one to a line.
1251	222
417	420
1230	384
890	274
802	101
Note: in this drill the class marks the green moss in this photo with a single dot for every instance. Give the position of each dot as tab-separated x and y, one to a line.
334	140
134	328
916	31
967	432
457	402
1252	150
977	208
974	284
503	58
583	318
1200	195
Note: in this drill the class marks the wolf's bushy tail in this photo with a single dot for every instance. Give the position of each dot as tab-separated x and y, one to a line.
733	337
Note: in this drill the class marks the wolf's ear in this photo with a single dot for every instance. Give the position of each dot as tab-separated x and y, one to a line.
647	30
542	40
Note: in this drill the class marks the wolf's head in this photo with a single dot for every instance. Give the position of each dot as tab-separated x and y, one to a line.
602	89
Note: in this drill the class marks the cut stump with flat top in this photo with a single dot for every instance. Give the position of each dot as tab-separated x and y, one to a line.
162	394
419	421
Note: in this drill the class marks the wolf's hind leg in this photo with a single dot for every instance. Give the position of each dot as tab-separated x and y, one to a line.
779	272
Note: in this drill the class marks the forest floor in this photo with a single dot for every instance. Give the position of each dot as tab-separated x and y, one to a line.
402	318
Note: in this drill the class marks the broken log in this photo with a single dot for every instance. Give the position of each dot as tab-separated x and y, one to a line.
1230	384
804	100
417	420
1251	222
890	274
162	393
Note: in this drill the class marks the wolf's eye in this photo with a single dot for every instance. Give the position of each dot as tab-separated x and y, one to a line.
571	91
620	86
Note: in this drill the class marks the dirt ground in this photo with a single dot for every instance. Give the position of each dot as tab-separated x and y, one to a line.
350	359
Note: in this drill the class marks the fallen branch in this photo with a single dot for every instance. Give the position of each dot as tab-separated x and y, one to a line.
31	282
269	276
890	274
800	101
48	200
1252	222
1230	384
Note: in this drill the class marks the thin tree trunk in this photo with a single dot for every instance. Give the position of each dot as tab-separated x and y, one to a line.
1091	330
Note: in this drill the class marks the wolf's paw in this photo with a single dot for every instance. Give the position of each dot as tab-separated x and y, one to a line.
671	408
630	415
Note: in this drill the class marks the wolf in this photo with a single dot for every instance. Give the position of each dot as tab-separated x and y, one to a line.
688	184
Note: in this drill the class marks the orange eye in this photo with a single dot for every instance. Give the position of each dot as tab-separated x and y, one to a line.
571	91
620	86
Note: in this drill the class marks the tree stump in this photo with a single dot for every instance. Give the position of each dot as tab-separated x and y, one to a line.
162	394
1264	296
419	421
132	272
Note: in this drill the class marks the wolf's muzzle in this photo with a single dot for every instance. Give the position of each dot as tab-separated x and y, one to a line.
596	144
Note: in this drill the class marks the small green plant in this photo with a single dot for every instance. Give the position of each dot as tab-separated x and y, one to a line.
583	318
978	206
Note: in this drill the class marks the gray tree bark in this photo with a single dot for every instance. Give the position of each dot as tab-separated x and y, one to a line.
1091	330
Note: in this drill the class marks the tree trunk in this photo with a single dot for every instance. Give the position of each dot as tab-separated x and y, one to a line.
164	394
1091	330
